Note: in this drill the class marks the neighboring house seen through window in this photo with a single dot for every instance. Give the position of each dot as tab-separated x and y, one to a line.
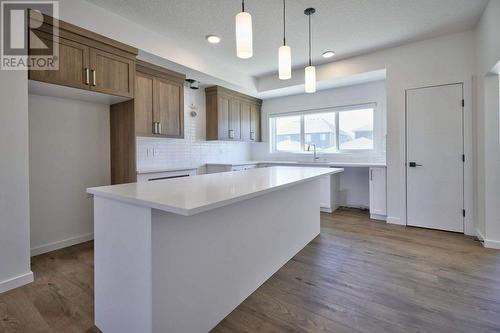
333	130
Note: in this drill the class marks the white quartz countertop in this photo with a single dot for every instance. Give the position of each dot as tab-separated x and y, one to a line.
307	163
167	169
328	164
193	195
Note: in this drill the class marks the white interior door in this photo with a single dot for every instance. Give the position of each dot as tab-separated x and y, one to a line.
434	168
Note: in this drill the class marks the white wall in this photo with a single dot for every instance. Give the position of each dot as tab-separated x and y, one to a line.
487	123
69	151
442	60
193	150
14	187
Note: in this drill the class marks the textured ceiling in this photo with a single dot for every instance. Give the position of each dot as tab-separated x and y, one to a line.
349	27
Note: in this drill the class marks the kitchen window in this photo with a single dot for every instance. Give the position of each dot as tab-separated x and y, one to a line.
348	129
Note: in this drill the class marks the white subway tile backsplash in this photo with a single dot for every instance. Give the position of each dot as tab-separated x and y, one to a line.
193	150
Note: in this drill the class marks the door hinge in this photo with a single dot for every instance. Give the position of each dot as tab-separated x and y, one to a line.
463	212
463	102
463	157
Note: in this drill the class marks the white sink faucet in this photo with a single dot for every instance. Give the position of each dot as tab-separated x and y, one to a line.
314	147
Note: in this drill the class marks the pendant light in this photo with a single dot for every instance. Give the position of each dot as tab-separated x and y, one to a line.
244	44
285	53
310	71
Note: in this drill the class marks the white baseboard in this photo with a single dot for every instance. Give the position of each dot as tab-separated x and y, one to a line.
488	243
378	217
394	220
491	244
61	244
15	282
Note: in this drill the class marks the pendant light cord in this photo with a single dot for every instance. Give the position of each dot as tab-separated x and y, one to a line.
284	22
242	5
309	40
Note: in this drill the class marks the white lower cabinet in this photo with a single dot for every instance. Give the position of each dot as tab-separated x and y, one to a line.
329	188
378	193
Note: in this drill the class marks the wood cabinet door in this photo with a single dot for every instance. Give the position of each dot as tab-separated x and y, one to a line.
143	103
223	117
169	108
255	123
234	119
73	65
245	121
112	74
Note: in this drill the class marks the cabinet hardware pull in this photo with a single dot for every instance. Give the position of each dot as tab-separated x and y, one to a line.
154	127
159	128
371	174
231	133
252	135
93	78
87	76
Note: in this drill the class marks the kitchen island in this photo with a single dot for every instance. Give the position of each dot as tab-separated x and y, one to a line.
179	255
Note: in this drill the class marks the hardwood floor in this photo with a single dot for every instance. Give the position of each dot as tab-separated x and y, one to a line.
359	275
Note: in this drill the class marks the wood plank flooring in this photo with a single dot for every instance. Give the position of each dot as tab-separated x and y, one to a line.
359	275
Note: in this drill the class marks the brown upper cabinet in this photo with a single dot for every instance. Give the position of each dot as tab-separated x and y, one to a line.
232	115
159	101
87	60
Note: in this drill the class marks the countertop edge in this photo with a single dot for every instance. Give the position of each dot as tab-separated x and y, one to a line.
208	207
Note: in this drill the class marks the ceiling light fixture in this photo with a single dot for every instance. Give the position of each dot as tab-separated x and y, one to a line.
310	71
285	53
328	54
213	39
244	43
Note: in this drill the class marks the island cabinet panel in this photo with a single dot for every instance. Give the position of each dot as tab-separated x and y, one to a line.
159	101
86	60
112	74
144	104
232	116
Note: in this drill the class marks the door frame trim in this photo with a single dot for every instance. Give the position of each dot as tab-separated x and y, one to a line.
467	203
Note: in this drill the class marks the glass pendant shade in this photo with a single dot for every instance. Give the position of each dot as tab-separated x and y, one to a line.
244	43
310	74
285	62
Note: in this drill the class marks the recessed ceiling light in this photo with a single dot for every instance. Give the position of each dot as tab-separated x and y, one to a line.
328	54
213	39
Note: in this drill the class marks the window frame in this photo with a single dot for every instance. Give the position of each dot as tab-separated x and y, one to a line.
377	130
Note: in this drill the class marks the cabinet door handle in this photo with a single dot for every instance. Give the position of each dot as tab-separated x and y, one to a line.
231	135
159	128
93	78
87	76
154	127
371	174
252	135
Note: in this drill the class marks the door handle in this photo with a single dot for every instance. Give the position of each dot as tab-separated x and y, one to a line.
93	78
414	164
159	128
87	76
252	135
155	131
231	135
